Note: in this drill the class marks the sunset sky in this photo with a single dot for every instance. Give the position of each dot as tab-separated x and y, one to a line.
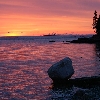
38	17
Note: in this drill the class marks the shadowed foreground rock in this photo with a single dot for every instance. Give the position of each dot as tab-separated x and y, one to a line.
61	70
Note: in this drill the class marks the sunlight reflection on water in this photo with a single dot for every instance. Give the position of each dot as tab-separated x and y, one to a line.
24	65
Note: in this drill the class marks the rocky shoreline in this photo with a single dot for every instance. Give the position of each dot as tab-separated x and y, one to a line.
62	71
79	82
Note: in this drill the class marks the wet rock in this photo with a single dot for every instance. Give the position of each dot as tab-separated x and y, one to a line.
52	41
61	70
81	94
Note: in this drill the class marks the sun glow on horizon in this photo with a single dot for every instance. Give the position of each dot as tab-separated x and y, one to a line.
12	34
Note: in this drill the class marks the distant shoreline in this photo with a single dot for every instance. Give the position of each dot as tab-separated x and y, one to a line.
62	38
93	39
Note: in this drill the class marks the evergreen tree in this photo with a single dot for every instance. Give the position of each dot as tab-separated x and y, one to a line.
96	23
94	19
98	26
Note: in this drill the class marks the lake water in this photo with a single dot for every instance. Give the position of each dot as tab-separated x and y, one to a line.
24	64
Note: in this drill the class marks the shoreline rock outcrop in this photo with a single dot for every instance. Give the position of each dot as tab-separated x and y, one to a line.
62	71
85	82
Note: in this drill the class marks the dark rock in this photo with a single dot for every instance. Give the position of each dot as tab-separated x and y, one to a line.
52	41
62	70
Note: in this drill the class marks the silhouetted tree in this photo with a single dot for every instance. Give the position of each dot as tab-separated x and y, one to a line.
98	26
94	19
96	23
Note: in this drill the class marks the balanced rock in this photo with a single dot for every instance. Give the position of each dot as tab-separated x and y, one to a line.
61	70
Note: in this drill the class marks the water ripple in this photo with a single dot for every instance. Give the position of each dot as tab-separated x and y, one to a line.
24	65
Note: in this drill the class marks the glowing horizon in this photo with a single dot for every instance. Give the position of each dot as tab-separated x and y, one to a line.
28	17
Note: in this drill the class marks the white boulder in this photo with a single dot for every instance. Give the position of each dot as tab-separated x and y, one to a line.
61	70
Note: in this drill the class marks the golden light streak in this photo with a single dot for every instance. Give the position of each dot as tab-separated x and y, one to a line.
12	34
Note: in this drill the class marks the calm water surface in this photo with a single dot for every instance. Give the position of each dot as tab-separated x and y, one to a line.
24	65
